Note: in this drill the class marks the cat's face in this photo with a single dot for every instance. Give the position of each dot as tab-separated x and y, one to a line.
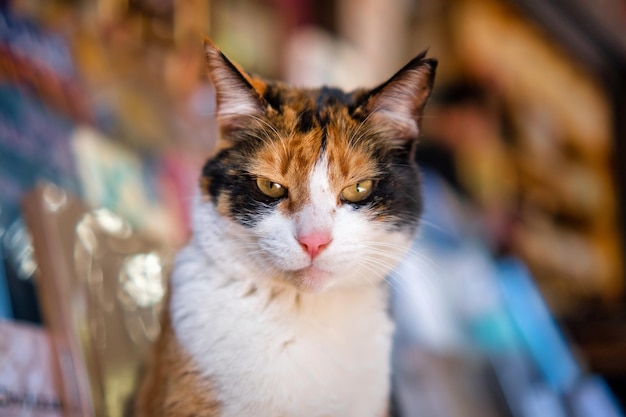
318	185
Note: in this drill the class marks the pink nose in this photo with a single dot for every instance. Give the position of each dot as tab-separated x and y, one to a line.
314	242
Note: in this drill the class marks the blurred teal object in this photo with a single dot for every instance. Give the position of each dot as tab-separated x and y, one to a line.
5	302
34	146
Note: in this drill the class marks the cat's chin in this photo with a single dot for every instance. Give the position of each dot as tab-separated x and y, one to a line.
312	279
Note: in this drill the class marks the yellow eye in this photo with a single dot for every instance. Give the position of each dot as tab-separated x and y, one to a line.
357	192
270	188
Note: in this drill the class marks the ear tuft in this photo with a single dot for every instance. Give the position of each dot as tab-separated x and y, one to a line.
399	102
236	96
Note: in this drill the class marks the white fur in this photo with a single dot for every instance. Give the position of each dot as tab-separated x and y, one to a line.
285	350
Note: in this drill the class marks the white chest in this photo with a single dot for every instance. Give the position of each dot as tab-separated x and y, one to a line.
272	353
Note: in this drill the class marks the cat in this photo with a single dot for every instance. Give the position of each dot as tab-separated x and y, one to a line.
278	303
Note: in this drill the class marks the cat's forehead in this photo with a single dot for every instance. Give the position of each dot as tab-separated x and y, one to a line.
313	106
280	95
292	161
308	127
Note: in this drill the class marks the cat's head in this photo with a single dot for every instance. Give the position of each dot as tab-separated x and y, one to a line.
318	185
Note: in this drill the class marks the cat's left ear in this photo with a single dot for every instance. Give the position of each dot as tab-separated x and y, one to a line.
399	102
238	95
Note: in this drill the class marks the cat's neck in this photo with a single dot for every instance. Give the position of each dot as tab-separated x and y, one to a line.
209	289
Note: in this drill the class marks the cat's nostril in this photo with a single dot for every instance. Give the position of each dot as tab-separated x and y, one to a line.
314	243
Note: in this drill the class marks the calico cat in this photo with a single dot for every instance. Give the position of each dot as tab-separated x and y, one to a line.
277	305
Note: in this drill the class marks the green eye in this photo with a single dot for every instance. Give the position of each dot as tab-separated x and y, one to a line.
357	192
270	188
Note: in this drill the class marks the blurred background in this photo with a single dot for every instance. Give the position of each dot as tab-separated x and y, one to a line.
512	301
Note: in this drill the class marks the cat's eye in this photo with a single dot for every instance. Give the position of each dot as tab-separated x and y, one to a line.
271	188
357	192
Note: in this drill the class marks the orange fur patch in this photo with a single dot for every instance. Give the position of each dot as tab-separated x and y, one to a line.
348	163
172	385
290	160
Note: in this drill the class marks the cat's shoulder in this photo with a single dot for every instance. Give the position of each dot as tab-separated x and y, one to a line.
191	394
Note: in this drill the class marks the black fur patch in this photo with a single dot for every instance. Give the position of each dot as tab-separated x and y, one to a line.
396	198
306	121
273	96
227	175
326	100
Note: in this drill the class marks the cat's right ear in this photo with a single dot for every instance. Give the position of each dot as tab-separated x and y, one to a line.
399	103
238	95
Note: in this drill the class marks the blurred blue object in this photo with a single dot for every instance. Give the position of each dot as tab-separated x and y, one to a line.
445	294
537	328
453	299
593	398
26	39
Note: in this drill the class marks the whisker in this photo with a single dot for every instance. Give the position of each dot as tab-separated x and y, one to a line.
372	268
